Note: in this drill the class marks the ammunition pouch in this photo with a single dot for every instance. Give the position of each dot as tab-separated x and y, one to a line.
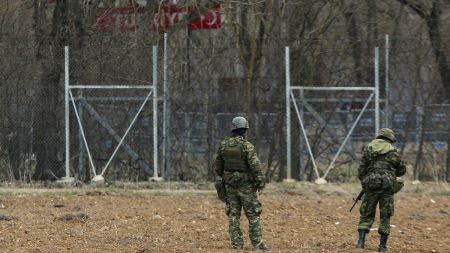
398	185
236	179
378	181
221	191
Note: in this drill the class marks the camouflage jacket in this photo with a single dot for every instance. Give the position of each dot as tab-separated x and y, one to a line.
247	156
379	147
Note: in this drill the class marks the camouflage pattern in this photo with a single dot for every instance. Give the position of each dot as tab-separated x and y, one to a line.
244	197
246	160
387	133
244	168
376	150
381	147
368	210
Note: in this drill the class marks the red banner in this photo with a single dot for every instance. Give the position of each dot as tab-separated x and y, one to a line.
211	19
129	18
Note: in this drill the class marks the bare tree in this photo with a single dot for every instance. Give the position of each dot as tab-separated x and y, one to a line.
63	26
238	68
430	12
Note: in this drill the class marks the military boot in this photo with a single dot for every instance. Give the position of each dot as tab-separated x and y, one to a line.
383	242
239	247
261	247
362	238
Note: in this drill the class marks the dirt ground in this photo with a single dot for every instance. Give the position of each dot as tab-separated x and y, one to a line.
299	218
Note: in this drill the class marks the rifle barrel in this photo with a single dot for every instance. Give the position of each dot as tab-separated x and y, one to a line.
357	199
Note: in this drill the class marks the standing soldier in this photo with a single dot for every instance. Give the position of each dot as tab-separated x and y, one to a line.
381	164
240	168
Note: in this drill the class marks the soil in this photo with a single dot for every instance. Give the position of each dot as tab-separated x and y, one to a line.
194	221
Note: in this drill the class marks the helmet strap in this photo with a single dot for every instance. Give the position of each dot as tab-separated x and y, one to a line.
385	138
239	131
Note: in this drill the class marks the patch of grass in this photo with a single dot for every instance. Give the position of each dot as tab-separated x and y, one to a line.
441	193
418	189
14	193
71	193
114	189
174	193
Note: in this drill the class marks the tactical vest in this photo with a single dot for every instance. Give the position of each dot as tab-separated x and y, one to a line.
234	157
381	174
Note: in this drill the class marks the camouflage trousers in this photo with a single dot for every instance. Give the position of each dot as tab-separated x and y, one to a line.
368	210
244	197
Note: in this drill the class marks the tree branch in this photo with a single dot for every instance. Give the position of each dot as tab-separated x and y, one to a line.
418	8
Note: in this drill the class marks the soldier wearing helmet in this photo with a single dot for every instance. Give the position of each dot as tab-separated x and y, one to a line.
380	165
240	168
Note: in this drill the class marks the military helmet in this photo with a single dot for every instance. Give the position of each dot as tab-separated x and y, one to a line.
387	133
239	122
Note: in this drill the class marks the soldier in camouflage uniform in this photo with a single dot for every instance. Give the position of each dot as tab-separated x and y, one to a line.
240	168
381	164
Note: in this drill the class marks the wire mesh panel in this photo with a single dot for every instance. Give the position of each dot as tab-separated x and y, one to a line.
234	67
104	120
116	117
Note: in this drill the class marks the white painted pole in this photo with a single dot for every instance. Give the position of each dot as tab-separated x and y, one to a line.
165	112
300	141
288	116
66	109
155	112
80	140
387	110
377	90
80	125
330	88
99	87
419	126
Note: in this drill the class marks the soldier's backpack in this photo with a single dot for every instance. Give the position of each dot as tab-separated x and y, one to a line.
381	175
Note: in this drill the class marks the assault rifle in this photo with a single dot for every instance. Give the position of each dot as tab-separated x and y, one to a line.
360	195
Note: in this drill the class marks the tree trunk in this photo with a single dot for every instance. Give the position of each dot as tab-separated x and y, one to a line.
432	18
353	34
433	24
447	164
47	142
372	35
52	32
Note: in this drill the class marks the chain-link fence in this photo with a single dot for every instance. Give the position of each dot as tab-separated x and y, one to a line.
209	82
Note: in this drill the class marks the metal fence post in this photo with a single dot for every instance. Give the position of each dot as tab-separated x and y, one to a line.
66	178
288	116
80	141
419	142
164	170
301	162
387	109
377	90
155	114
